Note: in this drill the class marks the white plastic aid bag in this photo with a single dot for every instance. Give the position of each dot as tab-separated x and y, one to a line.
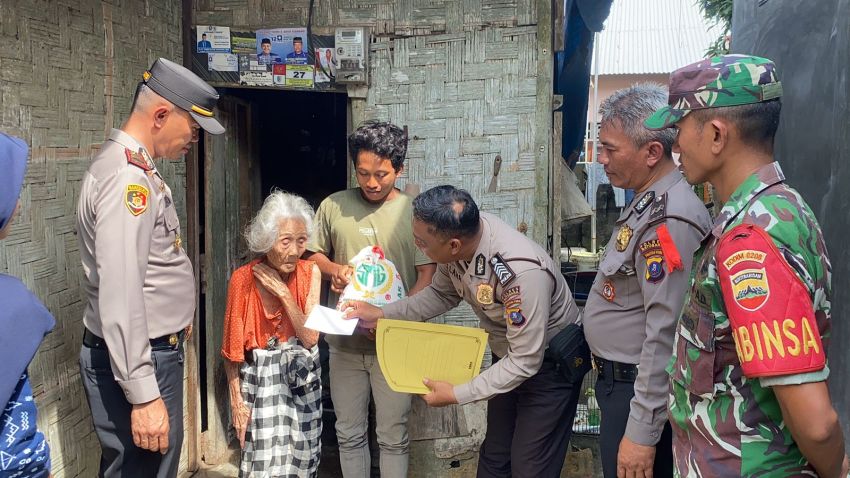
375	279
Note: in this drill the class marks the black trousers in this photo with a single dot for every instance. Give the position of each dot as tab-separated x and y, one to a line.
614	398
528	428
110	410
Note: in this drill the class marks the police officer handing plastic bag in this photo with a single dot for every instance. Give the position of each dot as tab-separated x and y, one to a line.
523	302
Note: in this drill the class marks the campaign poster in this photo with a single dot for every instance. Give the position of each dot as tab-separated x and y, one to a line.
222	62
325	65
254	73
243	43
212	39
299	76
282	46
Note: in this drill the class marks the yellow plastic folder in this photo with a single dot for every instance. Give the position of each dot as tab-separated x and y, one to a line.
411	351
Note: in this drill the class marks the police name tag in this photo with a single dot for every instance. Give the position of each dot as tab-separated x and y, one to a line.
299	76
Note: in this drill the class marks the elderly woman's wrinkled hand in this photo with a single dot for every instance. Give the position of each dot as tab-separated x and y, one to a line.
241	415
270	280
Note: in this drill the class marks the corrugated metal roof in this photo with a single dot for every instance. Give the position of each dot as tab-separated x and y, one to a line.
653	36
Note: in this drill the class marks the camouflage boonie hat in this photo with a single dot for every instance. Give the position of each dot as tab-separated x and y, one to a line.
727	80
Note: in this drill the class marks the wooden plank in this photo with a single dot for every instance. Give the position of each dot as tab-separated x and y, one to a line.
541	227
216	262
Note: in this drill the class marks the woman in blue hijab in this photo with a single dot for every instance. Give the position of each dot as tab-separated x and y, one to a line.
23	324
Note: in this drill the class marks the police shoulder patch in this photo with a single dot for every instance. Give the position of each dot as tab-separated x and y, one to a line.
512	300
775	333
654	256
502	270
136	199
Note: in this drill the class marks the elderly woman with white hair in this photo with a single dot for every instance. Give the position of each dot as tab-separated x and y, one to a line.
271	359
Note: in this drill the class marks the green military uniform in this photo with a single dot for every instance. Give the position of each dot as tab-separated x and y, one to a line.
758	310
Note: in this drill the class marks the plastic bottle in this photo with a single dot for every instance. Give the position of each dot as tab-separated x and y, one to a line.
594	414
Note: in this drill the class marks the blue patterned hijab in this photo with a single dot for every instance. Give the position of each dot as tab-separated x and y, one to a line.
23	319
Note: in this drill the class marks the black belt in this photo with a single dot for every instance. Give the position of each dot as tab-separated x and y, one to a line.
620	372
169	341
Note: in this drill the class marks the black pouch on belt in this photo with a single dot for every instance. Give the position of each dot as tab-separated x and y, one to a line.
570	353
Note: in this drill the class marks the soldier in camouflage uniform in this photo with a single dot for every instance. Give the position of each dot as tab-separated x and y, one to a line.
748	373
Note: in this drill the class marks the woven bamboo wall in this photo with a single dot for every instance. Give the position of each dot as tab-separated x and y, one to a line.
466	97
384	17
461	74
67	74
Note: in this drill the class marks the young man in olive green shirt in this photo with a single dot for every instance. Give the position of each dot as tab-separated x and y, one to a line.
375	213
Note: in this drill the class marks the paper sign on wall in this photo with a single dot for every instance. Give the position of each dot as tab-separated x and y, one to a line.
212	39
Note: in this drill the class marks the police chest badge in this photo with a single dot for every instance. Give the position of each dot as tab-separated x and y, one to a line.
484	294
654	256
624	235
608	291
136	199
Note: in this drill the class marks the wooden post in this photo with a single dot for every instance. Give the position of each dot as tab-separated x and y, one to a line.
543	200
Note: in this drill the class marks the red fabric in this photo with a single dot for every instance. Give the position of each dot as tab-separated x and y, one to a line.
668	247
246	324
769	307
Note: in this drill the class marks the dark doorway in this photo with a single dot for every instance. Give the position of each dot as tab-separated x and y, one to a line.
299	141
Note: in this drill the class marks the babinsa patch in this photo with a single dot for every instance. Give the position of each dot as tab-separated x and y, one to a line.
654	256
775	334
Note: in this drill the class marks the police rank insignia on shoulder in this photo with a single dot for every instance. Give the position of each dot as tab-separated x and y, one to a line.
654	255
501	269
644	201
484	294
512	298
659	208
137	159
624	235
480	265
136	199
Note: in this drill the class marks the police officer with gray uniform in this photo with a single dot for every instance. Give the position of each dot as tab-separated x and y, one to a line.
631	311
522	301
139	283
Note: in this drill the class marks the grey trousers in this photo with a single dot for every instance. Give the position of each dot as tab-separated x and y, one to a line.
120	457
352	377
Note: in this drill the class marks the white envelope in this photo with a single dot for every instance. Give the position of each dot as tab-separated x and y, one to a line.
330	321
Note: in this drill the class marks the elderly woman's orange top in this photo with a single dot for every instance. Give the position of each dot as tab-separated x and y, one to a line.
246	324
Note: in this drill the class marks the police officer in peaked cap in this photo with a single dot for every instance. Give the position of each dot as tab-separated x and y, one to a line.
139	283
